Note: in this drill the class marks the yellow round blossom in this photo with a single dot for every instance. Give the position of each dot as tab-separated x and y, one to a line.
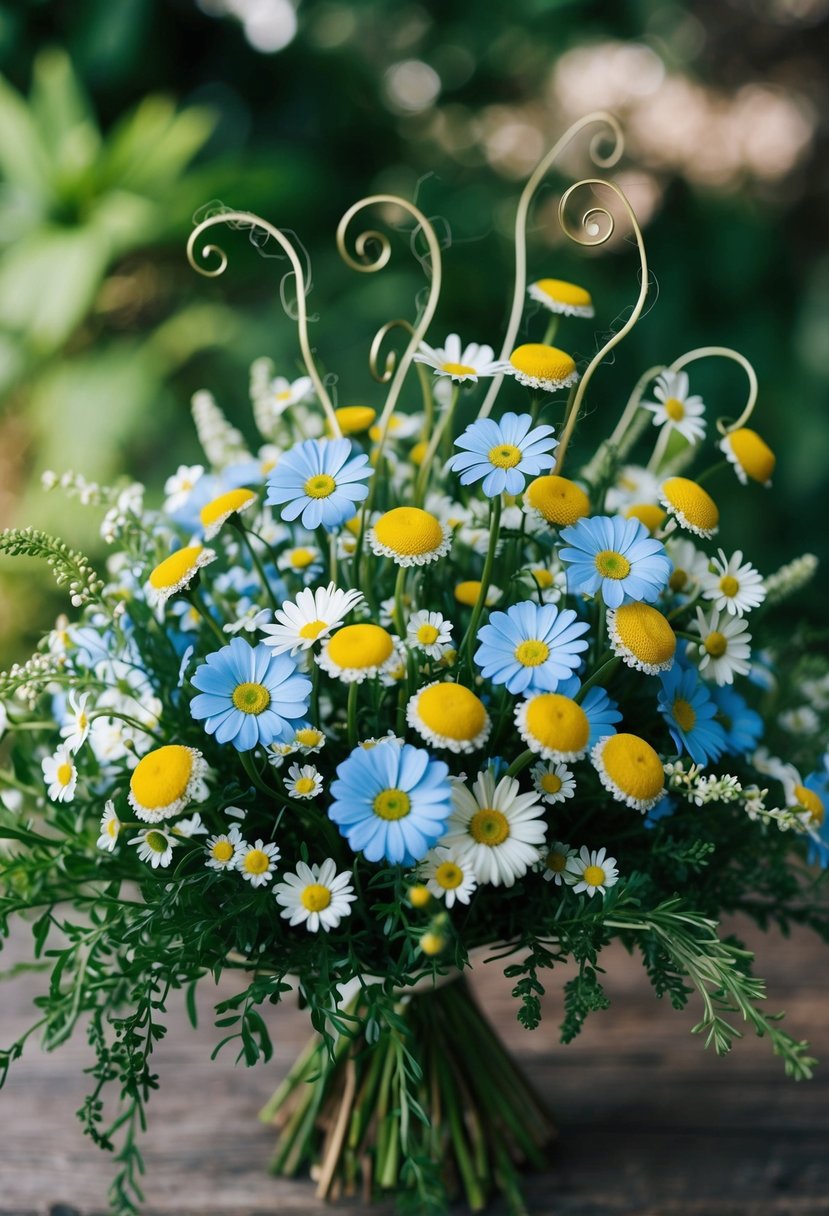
560	297
177	572
354	419
630	770
691	506
165	781
553	726
557	499
649	514
468	592
751	456
540	366
410	536
216	512
449	715
642	637
358	652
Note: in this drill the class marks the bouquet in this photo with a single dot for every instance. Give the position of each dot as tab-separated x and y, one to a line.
397	687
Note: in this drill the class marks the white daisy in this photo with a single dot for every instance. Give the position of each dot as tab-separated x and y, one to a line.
555	861
155	847
554	782
248	619
179	487
303	782
460	363
283	393
311	616
278	752
221	849
448	876
430	632
192	826
733	585
591	871
724	648
400	426
547	584
690	565
110	827
676	408
634	484
802	720
60	774
308	740
257	862
495	828
305	560
76	728
317	895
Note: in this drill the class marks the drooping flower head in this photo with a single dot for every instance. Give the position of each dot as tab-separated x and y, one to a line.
391	801
567	299
502	454
449	715
642	637
750	455
617	557
541	366
176	572
557	500
320	480
219	510
358	652
531	647
630	770
690	713
557	728
692	507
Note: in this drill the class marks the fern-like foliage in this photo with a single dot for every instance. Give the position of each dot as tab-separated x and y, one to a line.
69	567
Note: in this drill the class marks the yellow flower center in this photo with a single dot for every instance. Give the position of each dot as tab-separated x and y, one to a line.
427	635
409	531
633	766
543	578
418	452
64	774
315	897
594	876
729	585
564	293
222	850
532	653
306	736
541	362
312	629
678	580
360	646
257	861
505	456
754	455
175	568
692	502
556	861
646	633
611	564
225	504
551	783
302	558
392	804
468	592
251	698
684	714
285	395
448	875
674	409
649	514
321	485
452	711
305	785
559	500
432	943
458	369
156	841
810	802
716	644
355	418
419	896
112	827
557	722
489	827
162	776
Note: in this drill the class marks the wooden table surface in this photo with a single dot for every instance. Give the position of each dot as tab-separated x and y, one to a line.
651	1124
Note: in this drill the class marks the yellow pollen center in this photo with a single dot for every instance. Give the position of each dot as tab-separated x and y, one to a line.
551	783
645	633
251	698
305	785
162	776
716	644
360	646
633	766
83	721
756	458
392	804
489	827
452	711
257	861
222	850
684	714
428	635
225	504
112	827
729	585
557	722
64	774
156	841
175	568
321	485
692	502
315	897
674	409
532	653
313	629
505	456
308	737
301	558
541	362
559	500
594	876
810	802
611	564
355	418
543	578
448	875
458	369
678	580
564	293
285	395
556	862
409	531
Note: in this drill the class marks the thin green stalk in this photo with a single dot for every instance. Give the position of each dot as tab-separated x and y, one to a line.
605	669
520	763
196	599
426	464
399	601
552	329
711	470
240	529
471	634
352	713
249	766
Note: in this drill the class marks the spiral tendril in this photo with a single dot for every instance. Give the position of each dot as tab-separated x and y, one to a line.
391	358
724	425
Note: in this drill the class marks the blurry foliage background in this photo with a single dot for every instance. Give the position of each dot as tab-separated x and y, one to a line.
119	121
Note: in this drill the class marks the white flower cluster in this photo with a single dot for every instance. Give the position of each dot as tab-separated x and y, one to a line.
791	578
222	443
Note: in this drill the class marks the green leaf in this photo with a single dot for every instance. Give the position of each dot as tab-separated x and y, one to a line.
24	161
48	281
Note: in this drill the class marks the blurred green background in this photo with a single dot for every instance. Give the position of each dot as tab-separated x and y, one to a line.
120	121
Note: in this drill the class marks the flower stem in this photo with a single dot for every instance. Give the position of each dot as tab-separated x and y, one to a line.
471	634
352	713
607	666
520	763
434	443
196	599
399	601
239	527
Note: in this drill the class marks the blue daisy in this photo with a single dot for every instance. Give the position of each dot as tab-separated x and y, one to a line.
531	647
391	801
503	453
616	556
818	783
320	479
248	695
602	714
690	713
743	726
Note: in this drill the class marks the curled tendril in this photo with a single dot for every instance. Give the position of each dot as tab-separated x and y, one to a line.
395	369
610	130
724	425
391	358
591	239
246	219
